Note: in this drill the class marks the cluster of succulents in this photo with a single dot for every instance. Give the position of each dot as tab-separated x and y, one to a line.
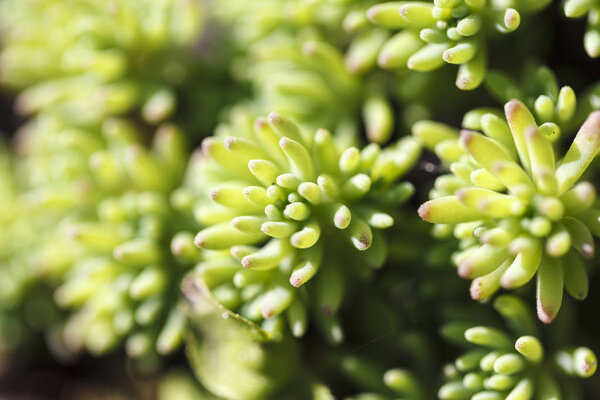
517	211
120	232
87	60
452	32
279	198
499	367
231	190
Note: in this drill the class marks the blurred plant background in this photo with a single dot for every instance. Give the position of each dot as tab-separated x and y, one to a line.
217	199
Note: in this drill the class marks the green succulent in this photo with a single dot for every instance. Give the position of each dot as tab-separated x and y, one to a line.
499	367
26	306
12	280
591	10
180	384
251	21
88	60
558	112
303	79
120	239
539	90
395	382
518	211
446	31
223	345
278	199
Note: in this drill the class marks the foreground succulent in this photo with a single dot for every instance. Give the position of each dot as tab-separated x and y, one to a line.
281	198
518	210
453	32
88	60
499	367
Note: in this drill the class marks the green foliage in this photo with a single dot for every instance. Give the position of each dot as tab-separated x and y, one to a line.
591	10
87	60
285	256
499	367
233	357
278	198
453	32
517	211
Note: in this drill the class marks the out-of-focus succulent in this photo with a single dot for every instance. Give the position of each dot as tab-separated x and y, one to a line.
591	10
12	282
517	208
25	305
499	367
118	248
180	384
394	383
280	200
252	21
446	31
231	356
309	82
87	60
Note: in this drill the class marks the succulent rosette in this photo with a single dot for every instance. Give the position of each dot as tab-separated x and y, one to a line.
591	11
88	60
518	209
512	363
453	32
280	200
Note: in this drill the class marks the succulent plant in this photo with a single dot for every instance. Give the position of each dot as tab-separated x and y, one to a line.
116	244
558	112
539	90
395	382
499	367
453	32
225	345
12	281
519	209
302	79
279	198
26	306
88	60
261	253
591	10
252	21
